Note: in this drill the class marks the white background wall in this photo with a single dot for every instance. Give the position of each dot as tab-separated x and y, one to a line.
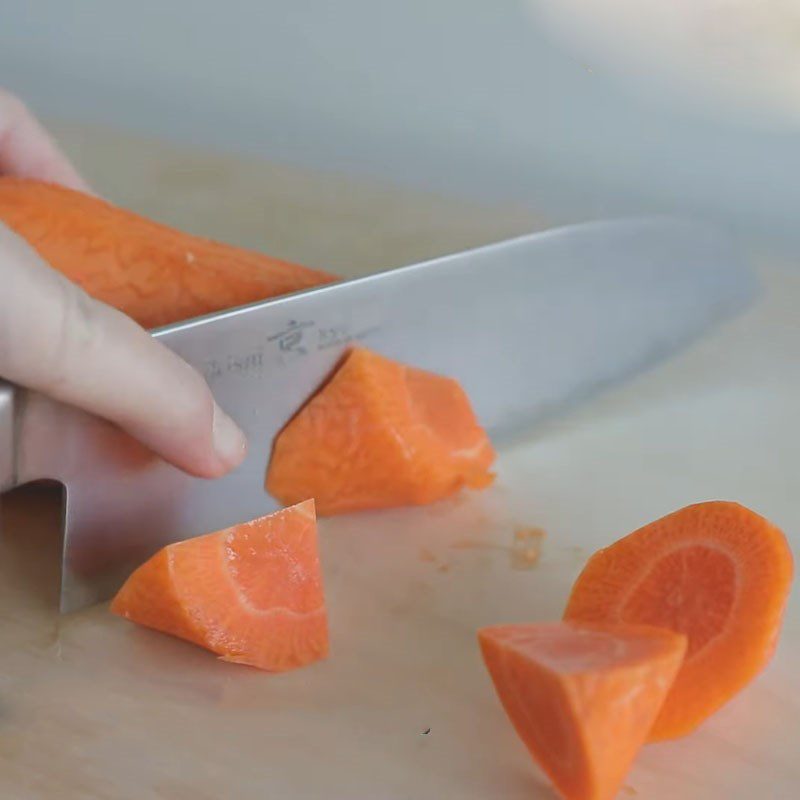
462	96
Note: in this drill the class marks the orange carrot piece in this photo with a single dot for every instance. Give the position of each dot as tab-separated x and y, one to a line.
153	273
380	434
252	593
716	572
582	697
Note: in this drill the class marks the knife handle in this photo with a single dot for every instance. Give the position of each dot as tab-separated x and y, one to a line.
9	407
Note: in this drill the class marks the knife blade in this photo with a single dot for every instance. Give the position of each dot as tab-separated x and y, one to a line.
528	326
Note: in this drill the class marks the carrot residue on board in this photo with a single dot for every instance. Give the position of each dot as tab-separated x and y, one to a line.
526	549
380	434
427	555
151	272
716	572
252	593
582	697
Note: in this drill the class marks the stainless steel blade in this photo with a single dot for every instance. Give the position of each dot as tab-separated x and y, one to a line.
527	326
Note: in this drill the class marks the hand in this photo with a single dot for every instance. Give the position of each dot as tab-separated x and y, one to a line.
57	340
27	151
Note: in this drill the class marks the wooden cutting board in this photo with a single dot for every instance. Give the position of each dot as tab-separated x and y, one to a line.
92	707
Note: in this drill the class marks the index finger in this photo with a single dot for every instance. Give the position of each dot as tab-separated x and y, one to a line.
28	151
56	339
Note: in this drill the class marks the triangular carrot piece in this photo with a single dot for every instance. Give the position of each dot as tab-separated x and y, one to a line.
716	572
582	697
380	434
251	593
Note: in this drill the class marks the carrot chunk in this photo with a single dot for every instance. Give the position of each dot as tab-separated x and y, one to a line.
380	434
252	593
582	697
716	572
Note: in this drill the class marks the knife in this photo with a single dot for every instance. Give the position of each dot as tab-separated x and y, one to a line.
528	326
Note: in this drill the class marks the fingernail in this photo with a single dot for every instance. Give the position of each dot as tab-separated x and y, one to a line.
229	441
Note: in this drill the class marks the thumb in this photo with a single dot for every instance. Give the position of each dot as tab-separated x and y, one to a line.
56	339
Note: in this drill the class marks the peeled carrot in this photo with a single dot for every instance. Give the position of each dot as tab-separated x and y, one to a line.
153	273
716	572
380	434
252	593
582	697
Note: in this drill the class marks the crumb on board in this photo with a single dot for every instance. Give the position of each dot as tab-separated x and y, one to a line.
426	555
476	544
426	731
443	568
526	548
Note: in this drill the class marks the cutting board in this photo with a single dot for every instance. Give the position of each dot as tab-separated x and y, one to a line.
93	707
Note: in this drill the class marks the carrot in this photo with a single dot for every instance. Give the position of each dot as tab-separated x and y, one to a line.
153	273
582	697
380	434
251	593
716	572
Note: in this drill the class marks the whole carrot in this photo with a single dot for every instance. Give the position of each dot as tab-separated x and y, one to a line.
153	273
